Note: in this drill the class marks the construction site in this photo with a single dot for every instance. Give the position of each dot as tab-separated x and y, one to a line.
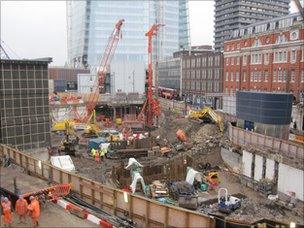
100	159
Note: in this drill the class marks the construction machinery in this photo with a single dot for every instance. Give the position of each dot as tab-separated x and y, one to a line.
70	141
92	129
151	108
207	114
85	117
227	203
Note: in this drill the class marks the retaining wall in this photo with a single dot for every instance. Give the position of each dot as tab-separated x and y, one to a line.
143	211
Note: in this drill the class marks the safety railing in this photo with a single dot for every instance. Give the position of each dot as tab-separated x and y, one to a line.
145	212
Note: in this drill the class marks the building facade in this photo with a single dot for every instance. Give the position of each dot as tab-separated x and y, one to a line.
195	75
233	14
90	24
24	105
64	78
169	74
266	56
202	77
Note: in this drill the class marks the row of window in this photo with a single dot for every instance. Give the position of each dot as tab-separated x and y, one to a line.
202	74
258	58
268	26
202	61
202	86
263	76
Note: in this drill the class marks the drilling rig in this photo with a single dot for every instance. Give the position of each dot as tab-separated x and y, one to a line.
151	108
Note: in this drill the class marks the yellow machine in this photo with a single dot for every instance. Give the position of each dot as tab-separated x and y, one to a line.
92	129
205	113
70	141
60	126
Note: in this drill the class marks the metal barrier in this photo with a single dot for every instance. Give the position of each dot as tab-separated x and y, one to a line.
145	212
246	138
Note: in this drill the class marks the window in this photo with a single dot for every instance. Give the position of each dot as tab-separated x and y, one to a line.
284	75
227	76
280	75
280	39
237	60
245	60
237	76
251	76
275	75
292	76
231	76
280	56
259	75
198	62
256	43
227	61
232	60
266	58
285	56
266	76
302	76
293	56
192	62
244	76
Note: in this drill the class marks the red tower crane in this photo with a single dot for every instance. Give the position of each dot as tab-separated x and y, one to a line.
101	72
151	107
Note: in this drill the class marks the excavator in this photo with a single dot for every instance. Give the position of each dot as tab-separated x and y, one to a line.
207	114
70	140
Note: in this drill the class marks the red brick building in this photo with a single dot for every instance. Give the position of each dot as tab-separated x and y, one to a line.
266	56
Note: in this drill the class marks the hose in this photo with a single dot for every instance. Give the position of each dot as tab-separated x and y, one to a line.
114	220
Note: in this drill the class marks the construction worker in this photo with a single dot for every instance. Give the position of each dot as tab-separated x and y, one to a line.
21	209
93	152
34	210
6	212
103	153
97	156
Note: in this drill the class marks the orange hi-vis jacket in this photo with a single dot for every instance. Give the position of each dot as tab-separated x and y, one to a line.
34	208
7	214
21	206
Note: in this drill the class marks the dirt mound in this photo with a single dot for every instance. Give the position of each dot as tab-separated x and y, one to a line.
170	122
206	132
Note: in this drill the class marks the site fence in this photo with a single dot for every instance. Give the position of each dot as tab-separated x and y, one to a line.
247	138
145	212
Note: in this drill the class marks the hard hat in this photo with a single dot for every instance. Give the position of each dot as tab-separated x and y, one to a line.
32	197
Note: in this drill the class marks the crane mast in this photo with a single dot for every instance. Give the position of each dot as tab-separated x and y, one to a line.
151	107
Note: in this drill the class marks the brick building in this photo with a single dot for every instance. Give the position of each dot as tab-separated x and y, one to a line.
266	56
202	75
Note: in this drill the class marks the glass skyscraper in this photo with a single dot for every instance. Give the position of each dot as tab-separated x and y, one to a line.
90	24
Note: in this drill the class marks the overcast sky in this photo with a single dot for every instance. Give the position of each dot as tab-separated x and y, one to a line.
32	29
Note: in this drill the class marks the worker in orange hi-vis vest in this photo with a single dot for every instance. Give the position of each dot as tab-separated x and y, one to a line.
97	156
21	209
34	210
6	212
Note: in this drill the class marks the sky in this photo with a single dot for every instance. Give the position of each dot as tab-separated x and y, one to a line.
34	29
